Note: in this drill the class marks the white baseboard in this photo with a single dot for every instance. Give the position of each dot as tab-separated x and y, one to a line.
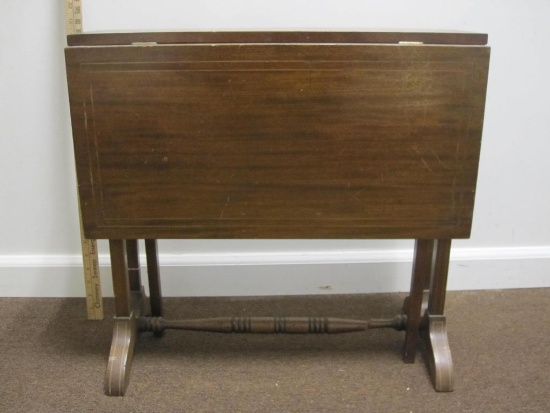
289	273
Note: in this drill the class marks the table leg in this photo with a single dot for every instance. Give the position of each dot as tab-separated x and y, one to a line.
154	280
134	274
128	304
423	251
439	352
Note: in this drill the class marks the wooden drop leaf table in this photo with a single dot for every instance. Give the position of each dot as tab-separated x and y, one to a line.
277	135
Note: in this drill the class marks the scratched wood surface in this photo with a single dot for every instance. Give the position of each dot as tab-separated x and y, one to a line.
277	140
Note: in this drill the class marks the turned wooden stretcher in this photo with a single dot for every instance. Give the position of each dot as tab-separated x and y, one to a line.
277	135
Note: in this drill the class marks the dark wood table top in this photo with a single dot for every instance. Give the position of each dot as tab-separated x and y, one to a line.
277	135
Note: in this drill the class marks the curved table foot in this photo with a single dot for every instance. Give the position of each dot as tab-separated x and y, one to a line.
117	375
439	353
125	334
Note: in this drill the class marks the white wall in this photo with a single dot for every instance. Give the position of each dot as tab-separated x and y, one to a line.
39	242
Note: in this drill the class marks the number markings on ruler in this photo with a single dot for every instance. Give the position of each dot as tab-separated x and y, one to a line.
92	281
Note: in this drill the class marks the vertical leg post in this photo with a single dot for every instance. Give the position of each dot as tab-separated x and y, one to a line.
423	251
153	272
439	352
134	274
438	287
121	283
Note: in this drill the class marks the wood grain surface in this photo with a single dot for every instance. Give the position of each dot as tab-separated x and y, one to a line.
277	140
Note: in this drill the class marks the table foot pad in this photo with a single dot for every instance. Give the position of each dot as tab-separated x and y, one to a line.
439	353
117	375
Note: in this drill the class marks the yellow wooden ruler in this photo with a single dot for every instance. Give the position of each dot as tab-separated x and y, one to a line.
92	281
73	16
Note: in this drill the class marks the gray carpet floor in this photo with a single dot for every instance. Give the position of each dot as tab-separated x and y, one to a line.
53	360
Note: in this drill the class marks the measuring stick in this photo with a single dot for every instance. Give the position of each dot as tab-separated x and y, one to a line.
92	281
